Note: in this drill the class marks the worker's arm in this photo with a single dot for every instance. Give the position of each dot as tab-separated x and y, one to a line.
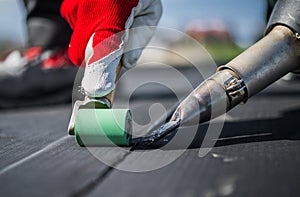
104	34
107	35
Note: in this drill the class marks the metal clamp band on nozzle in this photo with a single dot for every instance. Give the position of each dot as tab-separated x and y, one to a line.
236	90
233	85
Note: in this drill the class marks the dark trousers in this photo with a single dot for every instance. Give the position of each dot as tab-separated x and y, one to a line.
45	25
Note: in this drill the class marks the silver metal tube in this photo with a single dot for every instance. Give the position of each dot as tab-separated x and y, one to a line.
207	101
268	60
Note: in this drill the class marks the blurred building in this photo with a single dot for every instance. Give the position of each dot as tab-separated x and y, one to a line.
216	36
209	31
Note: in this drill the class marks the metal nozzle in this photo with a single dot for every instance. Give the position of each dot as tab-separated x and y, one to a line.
267	60
262	64
253	70
211	98
157	134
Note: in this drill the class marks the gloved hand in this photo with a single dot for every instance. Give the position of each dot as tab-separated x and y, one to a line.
101	37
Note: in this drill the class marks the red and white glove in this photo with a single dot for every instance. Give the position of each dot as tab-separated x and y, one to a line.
104	34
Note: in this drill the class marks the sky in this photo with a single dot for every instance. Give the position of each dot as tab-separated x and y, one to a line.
245	18
12	21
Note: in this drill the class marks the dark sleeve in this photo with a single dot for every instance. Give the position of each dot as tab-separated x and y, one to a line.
45	25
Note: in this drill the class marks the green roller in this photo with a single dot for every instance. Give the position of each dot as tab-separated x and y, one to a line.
97	127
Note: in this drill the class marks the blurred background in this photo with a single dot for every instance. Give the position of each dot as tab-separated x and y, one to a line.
225	28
